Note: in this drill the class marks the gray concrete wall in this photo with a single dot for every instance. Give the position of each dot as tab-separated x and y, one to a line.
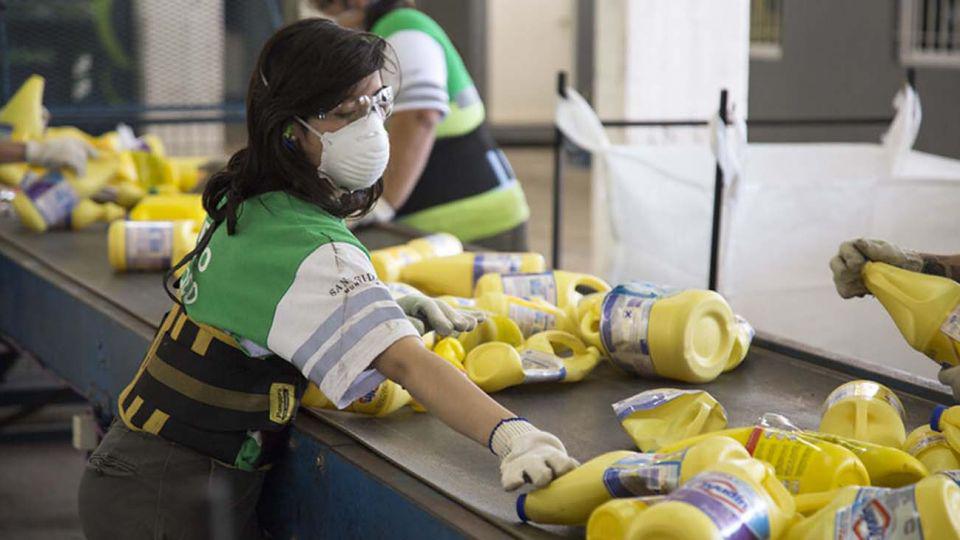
840	59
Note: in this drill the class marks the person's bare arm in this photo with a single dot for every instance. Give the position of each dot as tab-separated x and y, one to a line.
412	134
445	391
947	266
12	152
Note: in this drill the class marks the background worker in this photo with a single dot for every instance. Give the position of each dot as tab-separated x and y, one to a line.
445	172
278	292
51	154
847	266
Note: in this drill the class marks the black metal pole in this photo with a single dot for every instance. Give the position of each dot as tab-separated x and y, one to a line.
558	178
912	78
717	204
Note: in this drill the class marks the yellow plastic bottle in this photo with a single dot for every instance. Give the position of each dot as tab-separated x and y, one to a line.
929	509
456	275
126	194
662	416
946	420
87	212
49	201
451	350
496	365
532	316
932	449
803	465
148	245
734	499
612	519
741	344
570	499
560	288
493	328
99	172
385	399
170	207
865	411
24	112
649	330
926	309
389	262
188	171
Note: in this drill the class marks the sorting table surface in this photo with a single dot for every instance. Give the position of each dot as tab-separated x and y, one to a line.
580	414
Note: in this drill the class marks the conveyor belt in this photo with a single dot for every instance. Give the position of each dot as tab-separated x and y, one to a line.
580	413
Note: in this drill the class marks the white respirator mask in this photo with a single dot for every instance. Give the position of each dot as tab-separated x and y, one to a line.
355	156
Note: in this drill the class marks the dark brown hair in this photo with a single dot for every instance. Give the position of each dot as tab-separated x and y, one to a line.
305	68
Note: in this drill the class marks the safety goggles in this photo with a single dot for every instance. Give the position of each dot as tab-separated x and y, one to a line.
358	108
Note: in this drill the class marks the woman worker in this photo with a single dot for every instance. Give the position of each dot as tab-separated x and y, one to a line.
847	266
445	172
276	293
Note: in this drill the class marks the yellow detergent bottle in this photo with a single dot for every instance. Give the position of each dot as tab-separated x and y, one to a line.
926	309
662	416
49	201
741	344
612	519
570	499
496	365
735	499
148	245
560	288
126	194
803	465
531	315
456	275
24	112
947	421
929	509
651	331
932	449
451	350
188	171
385	399
99	172
87	212
170	207
388	262
886	466
493	328
865	411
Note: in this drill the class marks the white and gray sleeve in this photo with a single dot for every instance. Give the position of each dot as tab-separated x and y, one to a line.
422	79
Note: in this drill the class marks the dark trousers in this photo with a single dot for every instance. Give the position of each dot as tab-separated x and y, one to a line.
137	485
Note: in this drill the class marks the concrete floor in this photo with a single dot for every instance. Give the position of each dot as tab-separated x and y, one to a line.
39	480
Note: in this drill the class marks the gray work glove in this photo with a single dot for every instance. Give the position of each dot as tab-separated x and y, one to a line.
437	315
528	455
950	376
847	264
60	152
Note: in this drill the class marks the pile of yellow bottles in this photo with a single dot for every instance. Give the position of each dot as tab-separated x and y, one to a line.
129	174
858	477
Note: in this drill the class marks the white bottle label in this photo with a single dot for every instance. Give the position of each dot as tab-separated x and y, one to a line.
531	285
52	196
933	439
498	263
645	401
880	514
863	390
149	244
531	320
746	329
539	367
735	508
642	475
951	326
624	321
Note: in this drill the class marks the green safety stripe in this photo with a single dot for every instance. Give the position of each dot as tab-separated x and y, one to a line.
461	121
466	109
479	216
